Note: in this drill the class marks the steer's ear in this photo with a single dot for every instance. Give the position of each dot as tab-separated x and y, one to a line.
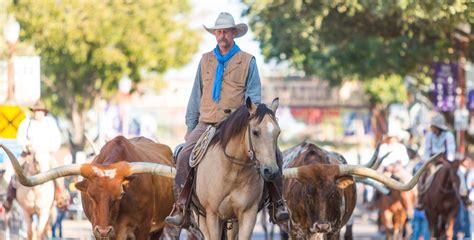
82	185
127	180
344	181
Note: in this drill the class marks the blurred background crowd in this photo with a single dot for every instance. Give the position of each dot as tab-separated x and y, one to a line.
349	75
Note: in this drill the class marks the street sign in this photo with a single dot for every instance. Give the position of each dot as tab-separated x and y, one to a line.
10	119
26	77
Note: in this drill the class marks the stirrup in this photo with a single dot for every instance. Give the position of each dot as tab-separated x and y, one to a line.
279	212
176	217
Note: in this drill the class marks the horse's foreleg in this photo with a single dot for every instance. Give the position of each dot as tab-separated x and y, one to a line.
450	225
43	223
213	226
28	223
247	223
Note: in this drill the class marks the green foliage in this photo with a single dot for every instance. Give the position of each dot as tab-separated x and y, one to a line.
87	46
386	89
359	39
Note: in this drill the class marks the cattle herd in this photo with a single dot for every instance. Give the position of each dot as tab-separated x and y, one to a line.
127	192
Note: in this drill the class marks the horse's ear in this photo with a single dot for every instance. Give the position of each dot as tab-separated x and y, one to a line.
275	104
250	106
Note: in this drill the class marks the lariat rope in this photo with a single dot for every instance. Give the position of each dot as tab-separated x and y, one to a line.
201	146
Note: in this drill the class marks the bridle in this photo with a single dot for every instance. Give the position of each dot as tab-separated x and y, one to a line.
250	153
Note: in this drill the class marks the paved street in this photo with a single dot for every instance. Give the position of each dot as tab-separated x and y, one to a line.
363	229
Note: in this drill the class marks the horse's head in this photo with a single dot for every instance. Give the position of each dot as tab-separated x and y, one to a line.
248	137
262	137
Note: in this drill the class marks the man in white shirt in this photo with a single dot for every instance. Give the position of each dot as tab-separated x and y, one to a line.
395	163
38	136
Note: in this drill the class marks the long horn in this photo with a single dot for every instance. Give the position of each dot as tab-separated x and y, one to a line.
94	147
381	188
389	182
31	181
290	173
153	168
377	163
373	159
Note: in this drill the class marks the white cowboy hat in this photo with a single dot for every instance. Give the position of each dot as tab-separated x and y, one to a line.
438	121
225	20
392	133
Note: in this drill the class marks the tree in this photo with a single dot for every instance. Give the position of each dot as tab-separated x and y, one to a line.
87	46
362	40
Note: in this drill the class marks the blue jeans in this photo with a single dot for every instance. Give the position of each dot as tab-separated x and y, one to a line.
420	225
462	223
58	223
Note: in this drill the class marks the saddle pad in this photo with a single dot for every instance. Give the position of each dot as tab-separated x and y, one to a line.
201	146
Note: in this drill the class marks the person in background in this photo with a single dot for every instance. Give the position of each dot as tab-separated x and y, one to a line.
441	140
62	203
395	165
463	224
38	136
419	222
470	184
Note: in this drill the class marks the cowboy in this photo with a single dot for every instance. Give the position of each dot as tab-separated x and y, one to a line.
441	140
225	77
38	135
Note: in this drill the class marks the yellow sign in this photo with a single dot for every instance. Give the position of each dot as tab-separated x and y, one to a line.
10	119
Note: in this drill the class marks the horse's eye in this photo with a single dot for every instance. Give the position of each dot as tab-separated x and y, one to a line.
255	133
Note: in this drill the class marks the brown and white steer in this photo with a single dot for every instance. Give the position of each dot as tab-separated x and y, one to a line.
119	202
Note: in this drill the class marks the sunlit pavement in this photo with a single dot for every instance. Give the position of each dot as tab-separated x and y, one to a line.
363	229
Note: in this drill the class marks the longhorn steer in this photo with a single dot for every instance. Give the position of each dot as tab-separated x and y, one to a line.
119	202
320	191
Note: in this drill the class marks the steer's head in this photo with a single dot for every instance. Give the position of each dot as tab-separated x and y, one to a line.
102	190
322	190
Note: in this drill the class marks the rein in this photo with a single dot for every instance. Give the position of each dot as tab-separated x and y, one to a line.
250	152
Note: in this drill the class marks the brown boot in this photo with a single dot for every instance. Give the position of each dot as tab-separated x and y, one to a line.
279	211
176	217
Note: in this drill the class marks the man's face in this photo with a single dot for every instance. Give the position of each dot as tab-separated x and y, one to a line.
225	38
435	130
39	115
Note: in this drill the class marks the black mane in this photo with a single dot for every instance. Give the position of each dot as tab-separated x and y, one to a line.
237	122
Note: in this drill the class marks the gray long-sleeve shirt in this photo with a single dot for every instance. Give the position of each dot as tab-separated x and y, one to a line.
253	90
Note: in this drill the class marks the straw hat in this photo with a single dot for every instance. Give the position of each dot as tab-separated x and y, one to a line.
438	121
224	21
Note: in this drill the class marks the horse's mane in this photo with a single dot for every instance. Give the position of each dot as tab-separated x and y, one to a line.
237	122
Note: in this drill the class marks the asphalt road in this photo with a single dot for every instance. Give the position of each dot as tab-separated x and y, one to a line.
364	228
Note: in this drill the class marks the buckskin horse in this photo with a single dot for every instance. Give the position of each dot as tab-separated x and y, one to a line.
230	177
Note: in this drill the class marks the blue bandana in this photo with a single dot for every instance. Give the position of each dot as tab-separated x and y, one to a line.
216	89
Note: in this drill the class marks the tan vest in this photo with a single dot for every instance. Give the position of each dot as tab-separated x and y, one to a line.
232	89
